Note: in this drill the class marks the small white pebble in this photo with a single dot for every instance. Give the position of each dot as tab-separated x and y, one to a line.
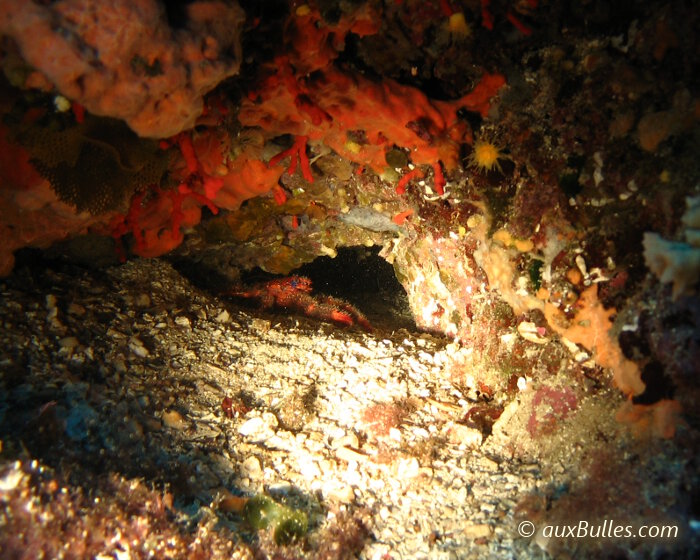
76	309
137	347
182	321
61	103
251	468
10	480
309	469
339	492
222	317
173	419
349	440
421	433
408	468
252	426
68	342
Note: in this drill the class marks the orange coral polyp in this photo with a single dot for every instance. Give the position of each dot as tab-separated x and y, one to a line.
485	156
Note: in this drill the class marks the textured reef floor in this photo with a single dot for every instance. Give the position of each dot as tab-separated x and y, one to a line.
143	411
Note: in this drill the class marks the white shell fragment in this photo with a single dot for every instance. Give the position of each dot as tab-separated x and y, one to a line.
532	333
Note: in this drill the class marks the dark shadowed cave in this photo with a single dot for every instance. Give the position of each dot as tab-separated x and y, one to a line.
349	279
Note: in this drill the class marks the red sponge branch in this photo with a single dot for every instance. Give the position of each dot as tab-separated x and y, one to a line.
297	155
519	25
184	141
486	17
406	179
439	178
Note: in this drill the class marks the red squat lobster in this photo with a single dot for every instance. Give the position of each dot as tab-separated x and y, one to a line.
294	293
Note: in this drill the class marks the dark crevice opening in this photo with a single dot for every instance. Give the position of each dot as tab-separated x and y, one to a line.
658	385
359	276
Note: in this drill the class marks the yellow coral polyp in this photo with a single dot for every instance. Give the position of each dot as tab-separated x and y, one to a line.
353	147
457	25
485	156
